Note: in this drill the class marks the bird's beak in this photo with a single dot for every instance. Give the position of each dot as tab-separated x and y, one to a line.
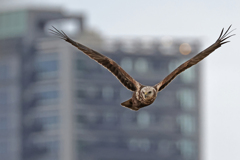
145	94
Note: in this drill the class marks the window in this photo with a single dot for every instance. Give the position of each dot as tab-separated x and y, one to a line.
127	118
3	98
92	91
187	124
3	123
167	124
187	148
166	100
88	92
166	147
47	97
92	117
12	24
47	66
47	69
52	146
81	65
49	122
110	118
139	144
141	65
126	64
173	64
89	118
188	76
186	98
124	94
4	70
80	93
3	147
143	119
107	93
80	146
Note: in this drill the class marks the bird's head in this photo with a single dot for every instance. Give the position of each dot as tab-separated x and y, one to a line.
148	92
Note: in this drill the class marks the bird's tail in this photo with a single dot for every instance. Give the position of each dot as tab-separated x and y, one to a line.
129	104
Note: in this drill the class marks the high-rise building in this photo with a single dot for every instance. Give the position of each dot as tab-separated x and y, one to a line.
57	104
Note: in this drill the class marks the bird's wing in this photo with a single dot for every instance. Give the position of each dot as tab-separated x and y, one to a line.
220	41
106	62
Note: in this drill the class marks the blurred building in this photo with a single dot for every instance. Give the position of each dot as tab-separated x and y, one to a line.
57	104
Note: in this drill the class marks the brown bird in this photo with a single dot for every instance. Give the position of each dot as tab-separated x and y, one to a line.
142	95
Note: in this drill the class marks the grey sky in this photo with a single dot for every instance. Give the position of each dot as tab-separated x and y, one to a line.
187	18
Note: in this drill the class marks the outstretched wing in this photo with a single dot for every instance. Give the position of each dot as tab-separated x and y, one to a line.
108	63
220	41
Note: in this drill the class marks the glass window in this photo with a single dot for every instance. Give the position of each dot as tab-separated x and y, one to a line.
125	94
47	66
52	146
187	124
3	98
92	117
12	24
3	147
173	64
187	148
92	91
88	92
107	93
141	65
47	69
167	124
133	144
81	119
126	64
3	123
3	72
49	122
139	144
188	76
110	118
127	118
186	98
81	65
47	97
165	147
143	119
166	100
81	93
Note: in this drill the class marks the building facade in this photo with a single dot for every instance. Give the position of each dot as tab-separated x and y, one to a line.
57	104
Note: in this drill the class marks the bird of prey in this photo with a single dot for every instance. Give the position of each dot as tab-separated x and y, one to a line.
142	95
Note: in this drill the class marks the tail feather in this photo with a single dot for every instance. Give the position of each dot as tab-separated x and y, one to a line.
129	104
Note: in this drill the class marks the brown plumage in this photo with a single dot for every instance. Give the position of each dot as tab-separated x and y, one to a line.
142	95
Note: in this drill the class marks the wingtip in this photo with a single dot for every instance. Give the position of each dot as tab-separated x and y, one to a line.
225	35
59	34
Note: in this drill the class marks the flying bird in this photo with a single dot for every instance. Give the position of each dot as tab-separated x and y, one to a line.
142	95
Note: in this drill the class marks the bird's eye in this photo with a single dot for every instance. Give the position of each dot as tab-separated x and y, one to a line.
150	92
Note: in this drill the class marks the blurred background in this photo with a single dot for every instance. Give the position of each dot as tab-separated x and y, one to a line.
57	104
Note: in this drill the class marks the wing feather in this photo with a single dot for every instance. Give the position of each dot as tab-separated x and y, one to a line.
220	41
106	62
